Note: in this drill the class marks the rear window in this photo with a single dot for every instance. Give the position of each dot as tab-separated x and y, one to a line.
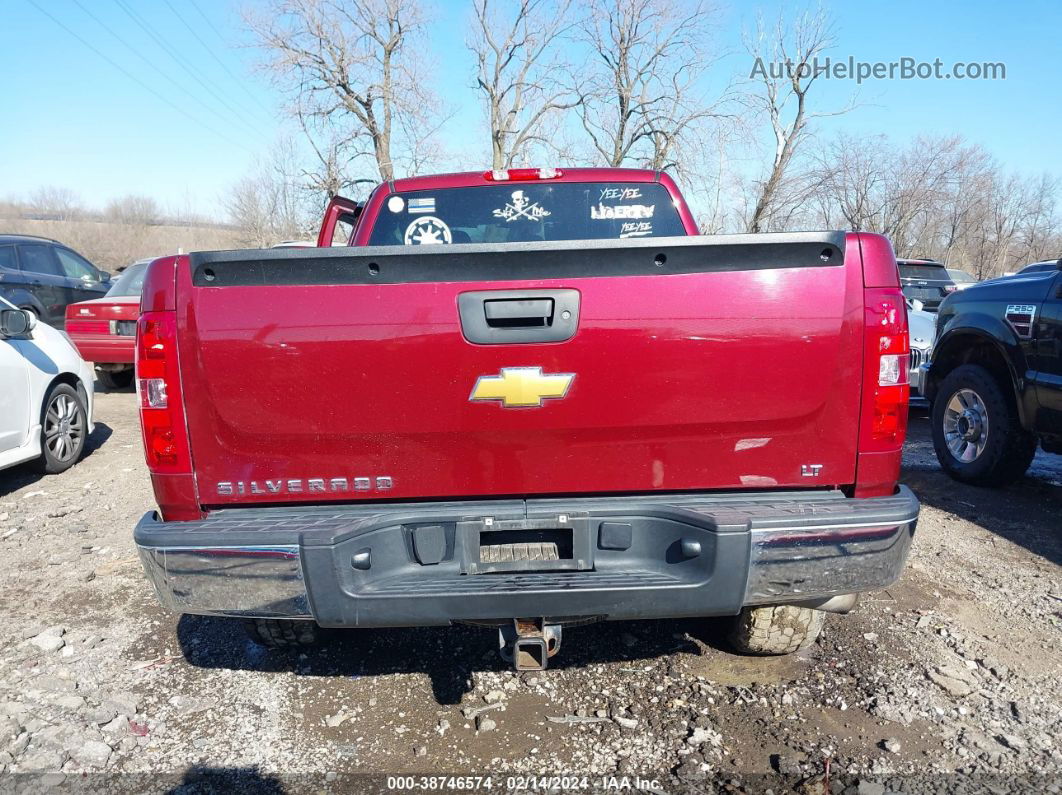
515	212
961	276
927	272
131	282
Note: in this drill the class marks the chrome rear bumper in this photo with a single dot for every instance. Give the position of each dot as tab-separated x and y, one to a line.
650	557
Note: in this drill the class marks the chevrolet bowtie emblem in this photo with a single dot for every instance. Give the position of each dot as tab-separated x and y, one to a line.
521	386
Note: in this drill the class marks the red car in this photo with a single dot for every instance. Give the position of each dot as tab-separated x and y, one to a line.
104	329
526	399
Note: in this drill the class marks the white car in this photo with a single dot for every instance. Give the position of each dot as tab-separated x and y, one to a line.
923	329
45	394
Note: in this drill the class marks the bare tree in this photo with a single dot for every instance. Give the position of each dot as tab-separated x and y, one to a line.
356	66
60	204
1006	211
1039	233
647	57
518	73
938	196
335	153
785	60
711	177
136	210
268	205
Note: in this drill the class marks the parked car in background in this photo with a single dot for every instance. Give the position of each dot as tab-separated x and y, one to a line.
922	326
962	279
103	329
45	394
295	244
44	276
1039	267
995	380
926	280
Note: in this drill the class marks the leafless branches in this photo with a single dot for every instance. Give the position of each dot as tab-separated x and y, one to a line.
353	67
60	204
137	210
267	205
784	69
640	95
938	196
518	71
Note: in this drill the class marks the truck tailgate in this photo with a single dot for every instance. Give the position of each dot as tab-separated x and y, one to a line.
696	363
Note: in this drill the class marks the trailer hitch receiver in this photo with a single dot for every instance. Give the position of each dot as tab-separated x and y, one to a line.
528	643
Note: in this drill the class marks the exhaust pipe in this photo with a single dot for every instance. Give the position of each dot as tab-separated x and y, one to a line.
529	643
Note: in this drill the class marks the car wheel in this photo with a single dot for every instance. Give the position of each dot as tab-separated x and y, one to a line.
276	633
977	435
775	629
115	379
64	425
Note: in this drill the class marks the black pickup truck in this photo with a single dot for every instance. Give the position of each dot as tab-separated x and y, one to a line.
995	381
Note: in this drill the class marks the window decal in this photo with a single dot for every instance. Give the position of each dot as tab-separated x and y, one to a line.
620	194
603	212
521	207
636	228
427	230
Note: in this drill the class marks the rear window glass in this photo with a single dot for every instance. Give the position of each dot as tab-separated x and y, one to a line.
928	272
515	212
131	282
961	276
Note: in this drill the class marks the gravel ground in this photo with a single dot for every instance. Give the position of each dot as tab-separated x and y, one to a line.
947	682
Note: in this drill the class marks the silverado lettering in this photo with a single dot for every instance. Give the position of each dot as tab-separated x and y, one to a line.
636	443
228	488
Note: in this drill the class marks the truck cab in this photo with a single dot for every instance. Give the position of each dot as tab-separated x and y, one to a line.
509	206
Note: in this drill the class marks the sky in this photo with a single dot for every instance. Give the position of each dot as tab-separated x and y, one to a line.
93	101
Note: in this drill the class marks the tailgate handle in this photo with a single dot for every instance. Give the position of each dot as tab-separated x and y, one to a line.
498	317
518	312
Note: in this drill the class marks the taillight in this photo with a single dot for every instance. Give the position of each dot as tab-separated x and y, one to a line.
158	392
522	174
886	387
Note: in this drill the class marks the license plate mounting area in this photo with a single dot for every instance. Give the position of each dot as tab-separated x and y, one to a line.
506	546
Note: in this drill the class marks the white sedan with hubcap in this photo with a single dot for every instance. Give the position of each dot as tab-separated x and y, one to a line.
45	394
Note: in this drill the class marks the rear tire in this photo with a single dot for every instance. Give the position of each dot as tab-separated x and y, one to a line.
277	633
972	402
775	629
115	379
64	428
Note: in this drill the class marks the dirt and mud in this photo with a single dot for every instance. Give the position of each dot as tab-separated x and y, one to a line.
948	681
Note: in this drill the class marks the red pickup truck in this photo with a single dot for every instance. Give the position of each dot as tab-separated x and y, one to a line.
526	400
